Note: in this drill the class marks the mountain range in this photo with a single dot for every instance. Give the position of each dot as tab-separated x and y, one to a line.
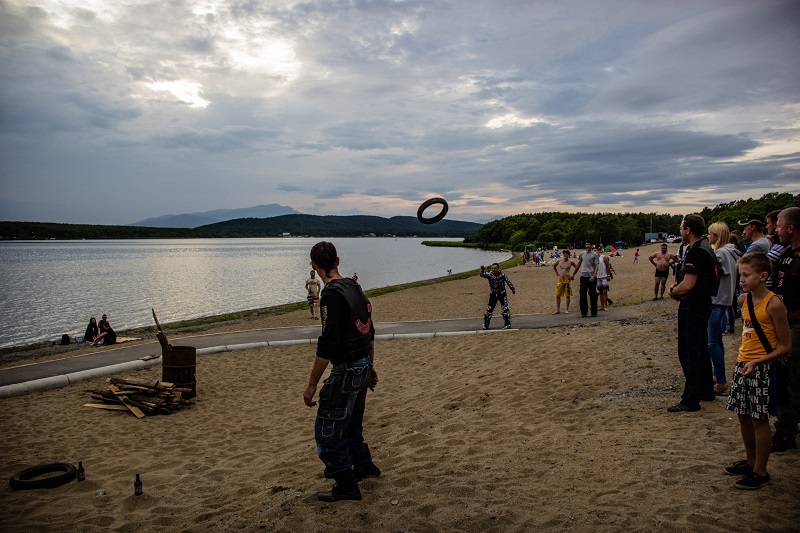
204	218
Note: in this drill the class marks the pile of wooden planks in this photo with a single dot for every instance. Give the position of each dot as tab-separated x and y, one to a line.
139	396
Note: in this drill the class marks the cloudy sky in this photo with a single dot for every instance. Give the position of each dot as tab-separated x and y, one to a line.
114	111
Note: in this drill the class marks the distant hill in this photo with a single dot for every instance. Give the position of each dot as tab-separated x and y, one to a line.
195	220
296	225
340	226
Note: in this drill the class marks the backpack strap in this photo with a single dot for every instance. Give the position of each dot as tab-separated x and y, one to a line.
760	332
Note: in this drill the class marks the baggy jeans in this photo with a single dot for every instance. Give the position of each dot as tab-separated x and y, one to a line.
338	429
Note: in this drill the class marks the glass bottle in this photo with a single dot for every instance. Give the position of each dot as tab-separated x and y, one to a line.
81	471
137	486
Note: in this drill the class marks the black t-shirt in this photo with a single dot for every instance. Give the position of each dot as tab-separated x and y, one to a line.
699	261
788	282
347	328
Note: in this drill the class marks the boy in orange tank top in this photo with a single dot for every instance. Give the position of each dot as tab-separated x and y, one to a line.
749	393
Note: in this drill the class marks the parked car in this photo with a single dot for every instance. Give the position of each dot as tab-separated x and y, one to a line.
674	239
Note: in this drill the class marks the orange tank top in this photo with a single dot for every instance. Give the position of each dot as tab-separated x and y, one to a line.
751	348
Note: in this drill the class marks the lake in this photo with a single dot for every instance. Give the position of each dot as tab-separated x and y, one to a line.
48	288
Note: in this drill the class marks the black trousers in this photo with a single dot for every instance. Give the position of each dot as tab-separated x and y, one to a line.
588	288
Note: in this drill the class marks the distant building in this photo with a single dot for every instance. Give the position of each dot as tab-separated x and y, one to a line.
656	237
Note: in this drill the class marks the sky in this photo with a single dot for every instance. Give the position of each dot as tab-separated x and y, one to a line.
115	111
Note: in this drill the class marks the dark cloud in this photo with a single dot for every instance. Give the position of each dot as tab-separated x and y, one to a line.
500	107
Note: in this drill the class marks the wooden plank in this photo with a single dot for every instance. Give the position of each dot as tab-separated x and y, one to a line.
106	406
133	409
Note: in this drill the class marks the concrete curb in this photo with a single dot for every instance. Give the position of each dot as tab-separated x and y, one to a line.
54	382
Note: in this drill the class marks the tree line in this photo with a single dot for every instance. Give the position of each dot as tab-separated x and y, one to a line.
563	229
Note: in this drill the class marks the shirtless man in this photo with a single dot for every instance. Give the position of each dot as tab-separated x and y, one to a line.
313	286
662	261
562	268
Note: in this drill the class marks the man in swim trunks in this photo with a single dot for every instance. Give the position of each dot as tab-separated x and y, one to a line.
662	261
313	286
562	268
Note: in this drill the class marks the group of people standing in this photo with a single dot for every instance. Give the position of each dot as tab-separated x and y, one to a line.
766	377
596	274
100	333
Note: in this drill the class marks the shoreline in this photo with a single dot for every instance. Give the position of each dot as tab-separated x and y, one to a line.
12	355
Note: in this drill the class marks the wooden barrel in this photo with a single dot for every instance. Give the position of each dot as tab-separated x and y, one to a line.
178	364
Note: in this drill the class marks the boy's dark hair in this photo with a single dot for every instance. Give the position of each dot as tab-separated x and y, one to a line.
758	260
772	216
498	264
695	224
324	256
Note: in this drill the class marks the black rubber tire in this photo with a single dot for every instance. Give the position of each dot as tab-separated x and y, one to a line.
426	204
29	478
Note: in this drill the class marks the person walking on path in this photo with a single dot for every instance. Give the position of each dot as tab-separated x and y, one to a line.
564	285
787	286
588	263
697	280
727	255
497	287
662	261
636	256
313	286
347	342
765	339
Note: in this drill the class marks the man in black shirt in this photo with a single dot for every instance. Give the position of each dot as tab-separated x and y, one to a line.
787	286
693	291
347	343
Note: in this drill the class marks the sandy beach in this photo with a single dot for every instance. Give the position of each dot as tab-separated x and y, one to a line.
556	429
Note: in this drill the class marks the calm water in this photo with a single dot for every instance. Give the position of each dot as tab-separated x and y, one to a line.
48	288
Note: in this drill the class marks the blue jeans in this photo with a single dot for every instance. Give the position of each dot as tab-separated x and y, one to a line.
731	319
339	426
716	325
693	353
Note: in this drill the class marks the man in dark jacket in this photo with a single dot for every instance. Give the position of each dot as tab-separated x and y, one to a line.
347	343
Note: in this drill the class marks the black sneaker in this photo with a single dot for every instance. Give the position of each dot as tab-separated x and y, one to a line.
739	468
752	481
680	407
507	326
362	472
782	442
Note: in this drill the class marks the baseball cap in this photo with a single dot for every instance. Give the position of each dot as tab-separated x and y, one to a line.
753	219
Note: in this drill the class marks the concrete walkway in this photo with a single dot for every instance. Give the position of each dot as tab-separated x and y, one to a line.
32	377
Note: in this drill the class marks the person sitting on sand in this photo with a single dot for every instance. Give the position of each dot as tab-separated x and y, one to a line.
107	334
91	331
562	268
662	261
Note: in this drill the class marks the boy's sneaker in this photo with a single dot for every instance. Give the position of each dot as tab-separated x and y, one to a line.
752	481
507	326
739	468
